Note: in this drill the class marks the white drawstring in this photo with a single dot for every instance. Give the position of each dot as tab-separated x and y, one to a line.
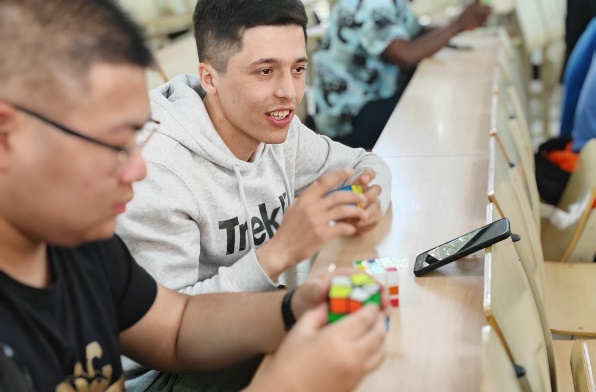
284	175
244	204
286	182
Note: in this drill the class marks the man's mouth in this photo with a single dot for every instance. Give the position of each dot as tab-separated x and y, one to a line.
279	115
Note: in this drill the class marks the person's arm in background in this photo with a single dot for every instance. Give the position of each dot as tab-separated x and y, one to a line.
211	331
407	54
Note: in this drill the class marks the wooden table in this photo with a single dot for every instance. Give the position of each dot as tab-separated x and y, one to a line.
446	107
436	144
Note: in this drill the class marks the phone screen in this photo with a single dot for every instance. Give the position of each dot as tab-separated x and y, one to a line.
462	243
458	244
462	246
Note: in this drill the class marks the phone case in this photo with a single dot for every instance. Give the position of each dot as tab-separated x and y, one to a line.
420	269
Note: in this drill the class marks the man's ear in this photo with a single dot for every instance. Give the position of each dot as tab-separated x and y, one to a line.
7	113
208	77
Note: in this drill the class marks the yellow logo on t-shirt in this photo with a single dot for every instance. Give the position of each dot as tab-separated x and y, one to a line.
91	379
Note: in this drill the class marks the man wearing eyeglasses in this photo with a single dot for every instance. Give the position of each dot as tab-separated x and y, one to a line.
74	114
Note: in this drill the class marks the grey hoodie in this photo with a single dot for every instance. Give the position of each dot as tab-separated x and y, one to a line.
187	224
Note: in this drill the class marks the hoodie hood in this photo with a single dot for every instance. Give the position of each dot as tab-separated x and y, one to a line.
178	105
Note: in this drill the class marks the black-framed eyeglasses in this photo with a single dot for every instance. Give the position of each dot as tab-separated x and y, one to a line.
141	138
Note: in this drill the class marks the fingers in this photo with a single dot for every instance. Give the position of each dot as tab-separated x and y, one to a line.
373	206
346	211
312	320
344	197
341	229
357	324
365	177
328	182
343	208
372	345
369	175
374	214
365	330
317	285
311	294
323	187
372	193
314	291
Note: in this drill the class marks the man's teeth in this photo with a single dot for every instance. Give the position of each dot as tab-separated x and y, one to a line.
279	115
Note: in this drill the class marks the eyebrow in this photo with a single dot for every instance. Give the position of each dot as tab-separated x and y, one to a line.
272	60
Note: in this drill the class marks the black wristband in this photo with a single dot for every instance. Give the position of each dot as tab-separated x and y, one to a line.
286	310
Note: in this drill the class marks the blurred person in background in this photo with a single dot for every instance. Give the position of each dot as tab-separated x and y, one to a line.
365	60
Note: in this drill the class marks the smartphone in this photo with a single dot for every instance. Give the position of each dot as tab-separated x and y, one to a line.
462	246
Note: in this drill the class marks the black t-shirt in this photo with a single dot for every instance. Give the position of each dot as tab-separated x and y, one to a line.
65	337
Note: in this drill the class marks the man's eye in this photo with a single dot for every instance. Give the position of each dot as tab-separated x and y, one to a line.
300	69
266	71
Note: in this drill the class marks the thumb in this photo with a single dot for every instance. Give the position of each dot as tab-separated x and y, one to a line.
313	319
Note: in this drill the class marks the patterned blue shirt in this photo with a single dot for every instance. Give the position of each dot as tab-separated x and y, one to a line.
349	68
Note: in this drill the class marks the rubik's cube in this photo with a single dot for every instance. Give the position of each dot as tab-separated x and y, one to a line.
384	269
352	188
347	294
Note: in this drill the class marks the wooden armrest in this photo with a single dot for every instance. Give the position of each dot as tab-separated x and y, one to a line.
583	358
569	298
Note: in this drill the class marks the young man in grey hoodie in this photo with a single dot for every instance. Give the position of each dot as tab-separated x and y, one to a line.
230	157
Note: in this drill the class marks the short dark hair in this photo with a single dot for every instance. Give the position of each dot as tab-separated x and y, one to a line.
44	40
220	24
